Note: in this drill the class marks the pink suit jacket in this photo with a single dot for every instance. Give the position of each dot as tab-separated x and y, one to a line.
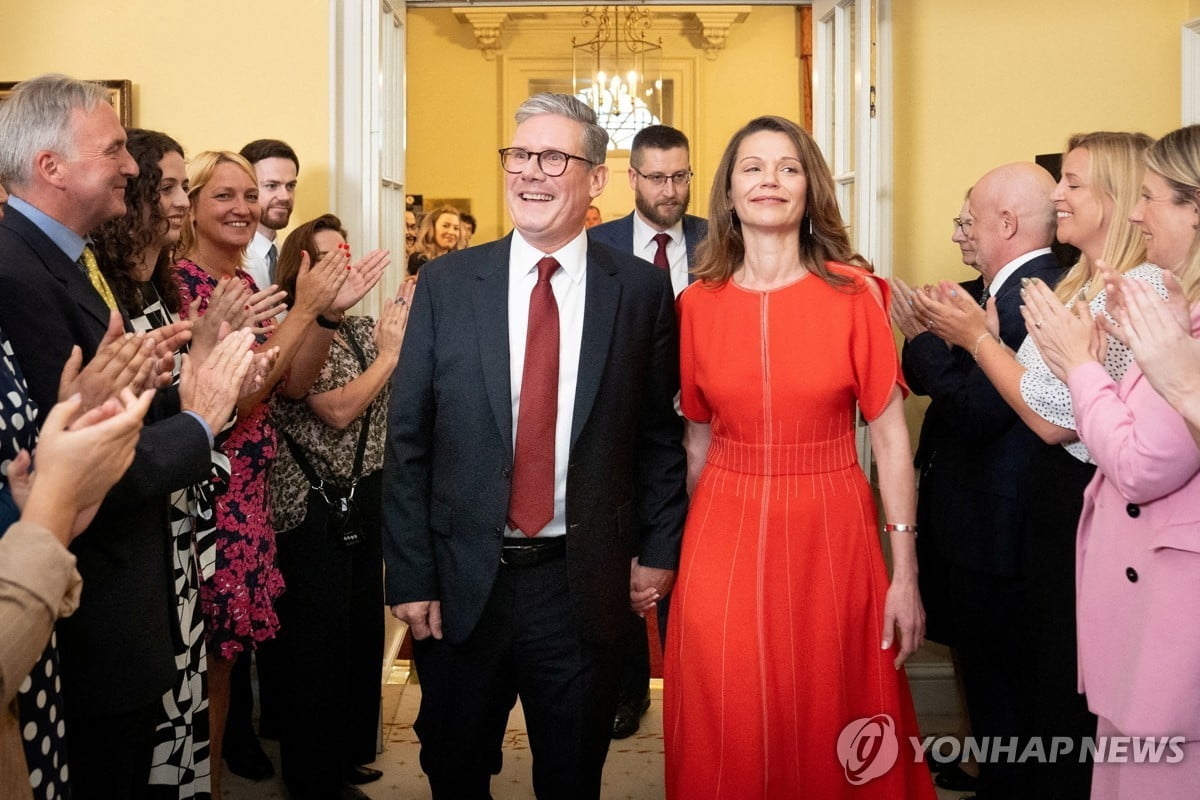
1138	557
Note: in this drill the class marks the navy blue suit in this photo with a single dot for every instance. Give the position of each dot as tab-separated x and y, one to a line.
973	452
618	234
118	649
447	478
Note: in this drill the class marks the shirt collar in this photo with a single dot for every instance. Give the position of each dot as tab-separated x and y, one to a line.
63	237
572	257
643	234
259	245
1011	267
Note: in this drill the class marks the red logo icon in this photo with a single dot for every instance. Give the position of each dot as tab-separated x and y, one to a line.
867	748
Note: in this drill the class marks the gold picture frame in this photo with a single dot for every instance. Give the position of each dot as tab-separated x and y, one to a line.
120	94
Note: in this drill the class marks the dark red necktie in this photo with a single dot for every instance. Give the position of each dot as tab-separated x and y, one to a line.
531	504
660	257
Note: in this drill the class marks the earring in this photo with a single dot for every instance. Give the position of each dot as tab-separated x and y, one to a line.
807	217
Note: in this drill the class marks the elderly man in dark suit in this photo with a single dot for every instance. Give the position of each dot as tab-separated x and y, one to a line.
973	450
659	230
533	452
63	157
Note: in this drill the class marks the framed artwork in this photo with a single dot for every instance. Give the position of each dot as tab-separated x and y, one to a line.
120	94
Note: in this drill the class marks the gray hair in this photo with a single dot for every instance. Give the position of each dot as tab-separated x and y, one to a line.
595	138
37	117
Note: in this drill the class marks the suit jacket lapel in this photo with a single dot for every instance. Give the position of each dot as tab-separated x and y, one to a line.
603	295
60	267
490	302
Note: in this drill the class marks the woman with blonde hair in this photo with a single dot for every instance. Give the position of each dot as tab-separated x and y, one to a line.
1138	542
437	234
1101	177
780	698
238	599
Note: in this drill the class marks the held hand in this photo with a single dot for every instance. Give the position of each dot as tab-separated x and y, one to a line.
903	614
363	276
211	390
317	286
903	312
424	618
648	585
390	327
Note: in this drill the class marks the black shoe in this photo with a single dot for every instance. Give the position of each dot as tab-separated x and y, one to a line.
954	778
358	775
629	718
245	757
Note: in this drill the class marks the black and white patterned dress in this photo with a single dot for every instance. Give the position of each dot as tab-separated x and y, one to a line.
181	767
43	732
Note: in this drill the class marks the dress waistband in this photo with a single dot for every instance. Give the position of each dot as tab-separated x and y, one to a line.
800	458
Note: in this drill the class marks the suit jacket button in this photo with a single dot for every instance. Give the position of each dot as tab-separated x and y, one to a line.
507	472
1131	573
498	530
1133	510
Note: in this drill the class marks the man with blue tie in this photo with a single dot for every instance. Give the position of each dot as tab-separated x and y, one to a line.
533	452
660	231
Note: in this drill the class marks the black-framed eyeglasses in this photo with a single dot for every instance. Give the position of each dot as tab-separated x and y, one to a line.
551	162
682	178
963	225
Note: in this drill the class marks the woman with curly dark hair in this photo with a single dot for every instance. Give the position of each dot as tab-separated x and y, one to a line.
135	254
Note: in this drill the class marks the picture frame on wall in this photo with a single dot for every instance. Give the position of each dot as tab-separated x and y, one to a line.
120	95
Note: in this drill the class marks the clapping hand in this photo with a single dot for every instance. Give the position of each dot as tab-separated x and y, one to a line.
80	455
363	276
903	312
1065	337
317	286
951	313
121	360
392	322
1160	335
211	389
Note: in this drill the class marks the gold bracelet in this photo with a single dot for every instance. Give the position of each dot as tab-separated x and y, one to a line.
901	528
979	341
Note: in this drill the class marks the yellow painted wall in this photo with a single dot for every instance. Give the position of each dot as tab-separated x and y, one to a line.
981	84
457	119
201	71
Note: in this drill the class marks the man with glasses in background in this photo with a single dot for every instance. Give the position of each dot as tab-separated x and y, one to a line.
533	452
660	231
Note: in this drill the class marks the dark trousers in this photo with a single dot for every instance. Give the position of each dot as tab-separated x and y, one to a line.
239	725
526	645
1054	486
633	652
987	629
111	755
330	646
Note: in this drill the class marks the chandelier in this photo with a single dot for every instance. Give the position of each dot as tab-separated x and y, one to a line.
618	72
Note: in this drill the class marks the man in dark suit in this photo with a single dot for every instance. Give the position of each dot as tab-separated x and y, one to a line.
660	231
973	449
533	452
63	156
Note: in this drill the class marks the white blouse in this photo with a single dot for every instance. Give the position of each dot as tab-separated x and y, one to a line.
1048	396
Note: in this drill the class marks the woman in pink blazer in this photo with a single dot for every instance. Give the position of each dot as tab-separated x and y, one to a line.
1138	547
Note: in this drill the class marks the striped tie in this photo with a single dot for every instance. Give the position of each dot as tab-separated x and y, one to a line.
88	261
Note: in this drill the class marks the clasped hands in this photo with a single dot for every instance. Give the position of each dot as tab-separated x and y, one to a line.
647	585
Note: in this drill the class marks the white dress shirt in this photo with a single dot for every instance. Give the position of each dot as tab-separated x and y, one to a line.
645	247
1008	269
255	261
569	284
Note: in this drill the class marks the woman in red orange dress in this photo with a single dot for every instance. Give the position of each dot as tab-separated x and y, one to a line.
776	683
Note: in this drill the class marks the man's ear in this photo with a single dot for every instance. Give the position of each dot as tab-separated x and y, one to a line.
49	167
599	179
